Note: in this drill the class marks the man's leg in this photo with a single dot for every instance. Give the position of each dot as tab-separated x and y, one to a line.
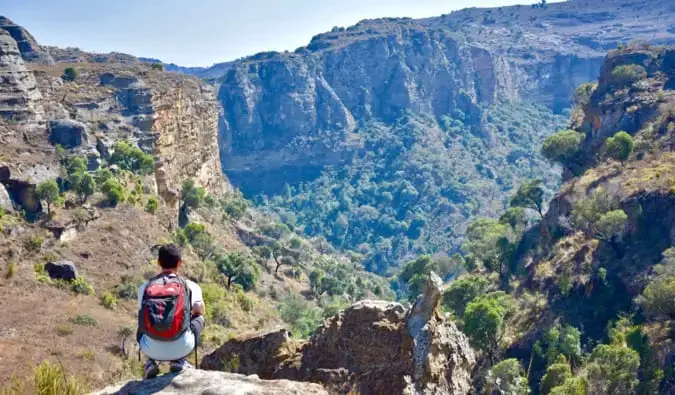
197	327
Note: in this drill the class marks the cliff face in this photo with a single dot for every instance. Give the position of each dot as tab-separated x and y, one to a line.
20	98
278	105
30	50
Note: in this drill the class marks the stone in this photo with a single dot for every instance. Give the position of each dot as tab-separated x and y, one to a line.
20	99
196	382
5	201
30	50
67	133
63	270
373	347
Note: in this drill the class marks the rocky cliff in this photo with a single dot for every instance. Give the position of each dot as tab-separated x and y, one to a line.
279	107
20	99
30	50
373	347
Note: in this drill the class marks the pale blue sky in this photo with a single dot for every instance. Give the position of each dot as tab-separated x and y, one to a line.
203	32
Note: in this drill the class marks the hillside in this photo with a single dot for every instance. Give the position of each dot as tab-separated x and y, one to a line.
312	117
97	163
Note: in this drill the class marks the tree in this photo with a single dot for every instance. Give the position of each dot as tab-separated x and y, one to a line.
611	225
620	146
507	377
657	298
462	291
124	333
485	319
613	369
530	195
483	242
555	376
192	195
114	192
102	175
237	269
572	386
84	185
563	146
49	192
69	74
627	74
563	340
315	279
515	217
157	66
132	158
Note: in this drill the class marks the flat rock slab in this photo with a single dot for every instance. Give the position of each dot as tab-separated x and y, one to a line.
204	382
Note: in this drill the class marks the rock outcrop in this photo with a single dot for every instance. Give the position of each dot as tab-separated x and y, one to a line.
279	105
373	347
202	382
67	133
19	95
30	50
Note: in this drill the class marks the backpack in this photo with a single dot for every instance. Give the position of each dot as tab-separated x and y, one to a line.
165	308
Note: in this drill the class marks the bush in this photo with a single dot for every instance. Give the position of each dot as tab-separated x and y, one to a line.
84	320
83	184
81	286
191	194
563	146
301	315
114	191
555	376
69	74
51	379
152	205
611	225
132	158
34	243
102	175
11	270
462	291
157	66
507	377
235	208
210	201
64	330
108	300
49	192
127	288
620	146
628	74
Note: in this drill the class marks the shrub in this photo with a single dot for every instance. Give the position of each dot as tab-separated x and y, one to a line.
611	225
620	146
245	302
84	320
11	270
49	192
114	192
102	175
127	288
555	376
191	194
81	286
485	319
613	369
657	298
584	92
51	379
132	158
69	74
563	146
210	201
108	300
151	205
235	208
507	377
628	74
215	298
34	243
157	66
462	291
301	315
64	330
84	185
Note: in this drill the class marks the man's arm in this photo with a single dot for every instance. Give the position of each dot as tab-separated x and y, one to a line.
198	308
197	300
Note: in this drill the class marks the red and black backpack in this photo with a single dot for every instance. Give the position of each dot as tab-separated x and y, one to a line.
165	308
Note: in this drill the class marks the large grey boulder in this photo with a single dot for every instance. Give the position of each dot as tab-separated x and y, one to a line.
64	270
5	201
205	382
67	133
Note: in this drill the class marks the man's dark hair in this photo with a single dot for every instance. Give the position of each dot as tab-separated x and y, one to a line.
169	256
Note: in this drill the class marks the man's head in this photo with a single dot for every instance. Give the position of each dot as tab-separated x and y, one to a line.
169	257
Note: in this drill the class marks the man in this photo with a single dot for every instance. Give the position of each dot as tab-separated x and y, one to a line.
170	317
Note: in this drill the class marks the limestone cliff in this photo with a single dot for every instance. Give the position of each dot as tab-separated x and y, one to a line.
30	50
280	108
19	95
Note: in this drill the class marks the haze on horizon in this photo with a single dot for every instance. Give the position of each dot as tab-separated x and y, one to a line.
204	32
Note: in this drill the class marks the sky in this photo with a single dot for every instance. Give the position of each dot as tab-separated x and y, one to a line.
204	32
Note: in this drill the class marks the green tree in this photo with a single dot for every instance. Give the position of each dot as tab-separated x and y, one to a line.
620	146
572	386
657	298
132	158
563	340
515	217
555	376
563	146
611	225
508	378
102	175
301	315
192	195
315	279
114	192
483	242
49	192
530	195
237	268
485	319
84	185
612	369
157	66
76	165
462	291
69	74
627	74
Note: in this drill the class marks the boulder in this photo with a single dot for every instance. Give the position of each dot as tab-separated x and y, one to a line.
373	347
64	270
67	133
193	381
5	201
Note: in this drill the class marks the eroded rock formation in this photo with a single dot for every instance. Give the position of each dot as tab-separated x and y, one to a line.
373	347
19	95
30	50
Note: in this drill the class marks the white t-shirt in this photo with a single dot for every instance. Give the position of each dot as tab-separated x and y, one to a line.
176	349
